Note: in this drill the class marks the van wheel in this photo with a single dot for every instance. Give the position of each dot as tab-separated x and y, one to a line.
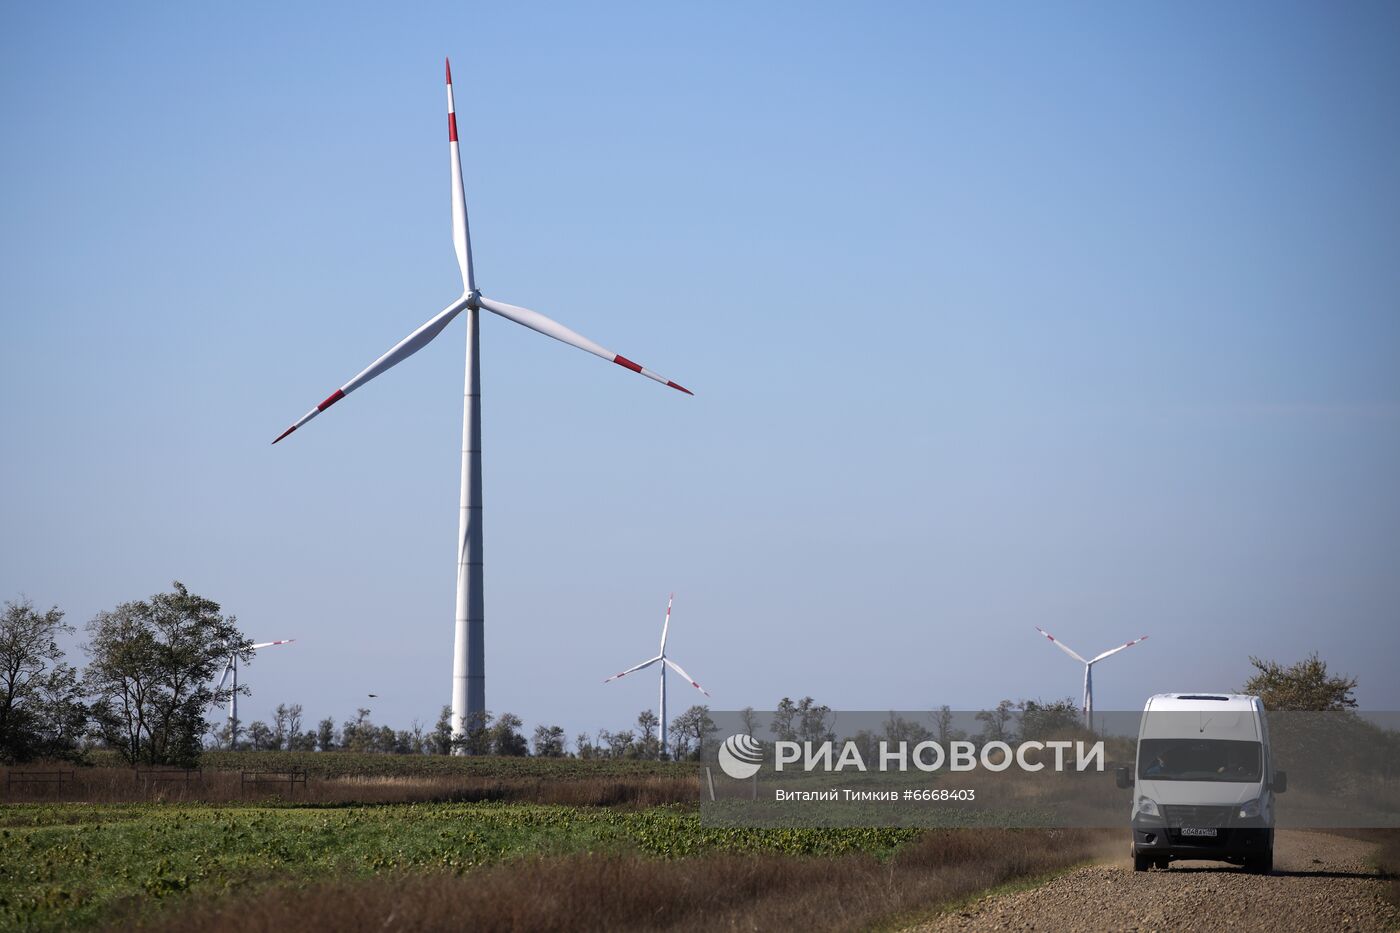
1261	864
1141	862
1163	862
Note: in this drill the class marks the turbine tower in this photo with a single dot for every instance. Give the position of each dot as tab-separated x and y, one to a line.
468	655
665	663
232	668
1088	670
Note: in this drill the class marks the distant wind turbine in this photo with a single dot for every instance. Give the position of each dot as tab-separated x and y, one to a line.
1088	669
665	663
231	668
469	653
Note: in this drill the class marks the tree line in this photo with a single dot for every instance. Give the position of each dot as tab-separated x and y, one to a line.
149	685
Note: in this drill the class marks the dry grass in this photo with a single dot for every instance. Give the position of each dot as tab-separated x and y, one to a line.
121	785
621	892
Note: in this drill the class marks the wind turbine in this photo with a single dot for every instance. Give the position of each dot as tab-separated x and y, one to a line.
231	668
1088	670
665	663
468	654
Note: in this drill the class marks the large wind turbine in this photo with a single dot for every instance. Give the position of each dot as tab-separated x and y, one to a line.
665	663
468	655
231	668
1088	669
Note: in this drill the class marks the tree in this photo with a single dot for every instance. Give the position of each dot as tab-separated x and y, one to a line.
898	729
477	739
689	731
358	735
783	717
996	723
803	721
812	721
549	742
41	708
152	663
620	744
647	725
325	735
506	738
1054	720
261	738
286	726
748	719
440	739
943	726
1303	686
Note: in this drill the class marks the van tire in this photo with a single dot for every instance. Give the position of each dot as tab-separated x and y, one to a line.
1141	862
1261	864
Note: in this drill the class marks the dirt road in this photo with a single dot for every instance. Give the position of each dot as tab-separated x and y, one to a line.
1320	882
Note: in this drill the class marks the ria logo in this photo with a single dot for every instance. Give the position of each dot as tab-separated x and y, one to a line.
741	756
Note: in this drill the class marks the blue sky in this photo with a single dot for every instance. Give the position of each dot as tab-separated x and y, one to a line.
1079	315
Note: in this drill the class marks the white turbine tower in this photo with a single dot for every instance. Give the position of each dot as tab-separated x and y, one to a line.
468	656
1088	669
665	663
231	668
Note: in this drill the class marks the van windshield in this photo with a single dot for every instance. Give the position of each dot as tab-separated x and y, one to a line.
1200	760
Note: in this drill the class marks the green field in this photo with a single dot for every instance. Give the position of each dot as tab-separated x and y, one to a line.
68	865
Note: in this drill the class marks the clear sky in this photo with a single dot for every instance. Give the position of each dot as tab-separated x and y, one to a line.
1078	315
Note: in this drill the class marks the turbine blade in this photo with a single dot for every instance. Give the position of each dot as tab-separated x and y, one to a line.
1112	651
401	351
541	324
461	232
228	669
677	668
269	644
665	626
632	669
1062	646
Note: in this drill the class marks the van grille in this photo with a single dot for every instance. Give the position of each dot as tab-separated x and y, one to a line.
1200	817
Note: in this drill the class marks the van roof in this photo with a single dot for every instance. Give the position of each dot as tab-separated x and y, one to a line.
1203	700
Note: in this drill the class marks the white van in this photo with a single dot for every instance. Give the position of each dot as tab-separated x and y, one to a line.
1204	782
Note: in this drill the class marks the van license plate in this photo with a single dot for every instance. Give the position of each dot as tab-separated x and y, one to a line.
1193	831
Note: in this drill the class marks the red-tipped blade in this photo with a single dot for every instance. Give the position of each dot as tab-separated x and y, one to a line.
449	71
550	328
401	351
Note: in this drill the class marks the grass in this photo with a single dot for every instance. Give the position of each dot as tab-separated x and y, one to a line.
627	891
342	778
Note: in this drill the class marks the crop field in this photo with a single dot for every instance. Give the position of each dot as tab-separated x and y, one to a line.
71	864
211	864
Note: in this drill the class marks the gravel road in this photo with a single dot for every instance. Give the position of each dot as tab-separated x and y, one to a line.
1320	882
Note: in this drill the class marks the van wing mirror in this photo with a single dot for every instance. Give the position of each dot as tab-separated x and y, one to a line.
1280	783
1123	777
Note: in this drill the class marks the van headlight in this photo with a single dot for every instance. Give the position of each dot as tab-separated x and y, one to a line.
1250	808
1147	807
